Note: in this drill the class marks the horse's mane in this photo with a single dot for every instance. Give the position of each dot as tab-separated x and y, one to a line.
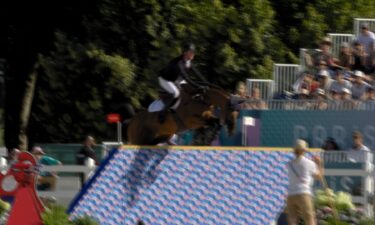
216	88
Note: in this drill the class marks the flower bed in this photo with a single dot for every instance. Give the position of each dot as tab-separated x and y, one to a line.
338	209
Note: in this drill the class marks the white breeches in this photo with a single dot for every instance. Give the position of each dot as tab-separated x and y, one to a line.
170	87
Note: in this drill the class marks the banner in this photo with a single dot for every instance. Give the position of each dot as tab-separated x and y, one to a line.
282	127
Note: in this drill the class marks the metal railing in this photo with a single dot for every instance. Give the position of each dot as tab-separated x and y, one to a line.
265	87
317	105
358	23
284	75
337	40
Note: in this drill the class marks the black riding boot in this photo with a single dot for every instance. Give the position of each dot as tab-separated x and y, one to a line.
163	114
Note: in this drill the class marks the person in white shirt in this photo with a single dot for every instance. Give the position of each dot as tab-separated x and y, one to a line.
356	153
301	173
358	142
366	38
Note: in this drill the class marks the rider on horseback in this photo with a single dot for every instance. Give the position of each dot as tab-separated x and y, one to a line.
175	73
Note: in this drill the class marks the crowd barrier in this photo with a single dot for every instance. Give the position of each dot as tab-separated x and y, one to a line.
351	172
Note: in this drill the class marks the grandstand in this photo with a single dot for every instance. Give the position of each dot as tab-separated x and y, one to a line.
284	77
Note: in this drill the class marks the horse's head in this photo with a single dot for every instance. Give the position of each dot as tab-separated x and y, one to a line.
228	113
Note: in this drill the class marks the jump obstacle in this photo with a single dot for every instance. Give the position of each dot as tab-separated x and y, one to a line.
186	185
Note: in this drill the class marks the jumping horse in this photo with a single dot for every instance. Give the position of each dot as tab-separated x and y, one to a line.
195	110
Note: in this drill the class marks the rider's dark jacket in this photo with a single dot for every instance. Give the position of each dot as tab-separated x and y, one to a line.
176	68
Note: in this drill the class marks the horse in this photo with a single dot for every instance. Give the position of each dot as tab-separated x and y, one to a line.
195	110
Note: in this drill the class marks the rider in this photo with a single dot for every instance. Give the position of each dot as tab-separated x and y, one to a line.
177	72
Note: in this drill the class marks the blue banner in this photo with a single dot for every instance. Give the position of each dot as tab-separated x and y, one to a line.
282	127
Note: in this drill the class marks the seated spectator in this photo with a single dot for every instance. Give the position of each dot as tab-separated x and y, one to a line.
346	59
302	103
256	101
325	55
347	100
306	81
340	83
321	100
241	90
370	94
46	180
325	81
369	103
360	57
359	86
330	145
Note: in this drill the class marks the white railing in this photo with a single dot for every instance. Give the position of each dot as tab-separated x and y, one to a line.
314	105
358	23
366	172
265	87
337	40
87	170
284	75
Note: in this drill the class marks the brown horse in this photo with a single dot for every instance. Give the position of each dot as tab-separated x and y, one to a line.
196	110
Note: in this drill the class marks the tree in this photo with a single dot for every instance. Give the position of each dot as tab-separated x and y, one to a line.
76	89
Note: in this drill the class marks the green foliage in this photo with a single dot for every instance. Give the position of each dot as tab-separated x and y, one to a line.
86	220
367	222
341	201
76	89
332	221
4	206
116	57
56	215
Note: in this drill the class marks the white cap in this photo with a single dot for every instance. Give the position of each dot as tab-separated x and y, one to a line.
323	73
301	145
359	73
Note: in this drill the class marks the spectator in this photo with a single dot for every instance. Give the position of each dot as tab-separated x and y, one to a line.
347	102
241	90
85	153
359	86
356	152
303	103
369	104
340	83
301	172
330	145
358	144
346	59
306	81
256	101
325	81
46	180
366	38
360	57
321	100
325	55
